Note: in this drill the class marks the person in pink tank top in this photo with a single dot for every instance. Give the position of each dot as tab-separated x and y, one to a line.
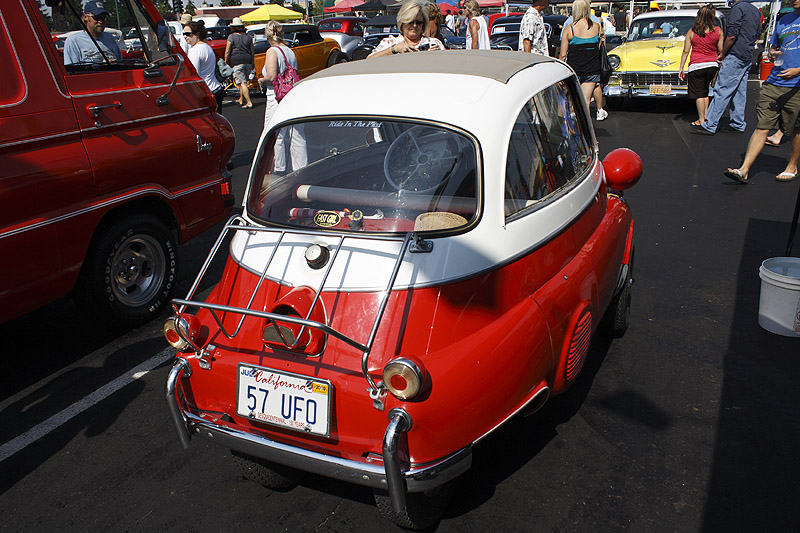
704	41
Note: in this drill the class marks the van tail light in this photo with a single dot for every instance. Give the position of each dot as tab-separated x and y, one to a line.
181	331
225	188
404	378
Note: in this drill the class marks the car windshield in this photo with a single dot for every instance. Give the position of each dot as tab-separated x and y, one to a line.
371	175
660	28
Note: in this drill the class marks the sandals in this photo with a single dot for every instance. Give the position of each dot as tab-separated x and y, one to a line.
770	143
786	176
735	175
696	123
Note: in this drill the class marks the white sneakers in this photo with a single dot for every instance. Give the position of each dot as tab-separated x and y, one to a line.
602	114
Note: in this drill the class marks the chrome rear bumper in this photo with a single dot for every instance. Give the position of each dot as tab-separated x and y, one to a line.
388	476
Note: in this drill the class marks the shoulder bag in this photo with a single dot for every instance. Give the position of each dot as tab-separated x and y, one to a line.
605	66
287	79
223	71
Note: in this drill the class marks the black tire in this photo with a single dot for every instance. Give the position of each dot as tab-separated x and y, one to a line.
337	57
271	475
423	509
129	272
619	312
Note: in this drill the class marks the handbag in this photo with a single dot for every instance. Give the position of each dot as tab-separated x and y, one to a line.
287	79
223	71
605	65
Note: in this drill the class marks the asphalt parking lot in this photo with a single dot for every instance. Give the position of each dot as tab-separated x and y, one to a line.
687	423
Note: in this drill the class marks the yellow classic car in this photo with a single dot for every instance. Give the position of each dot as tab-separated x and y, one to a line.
648	62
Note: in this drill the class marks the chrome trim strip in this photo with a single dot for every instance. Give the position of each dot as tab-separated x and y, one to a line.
16	56
38	139
149	88
121	199
543	390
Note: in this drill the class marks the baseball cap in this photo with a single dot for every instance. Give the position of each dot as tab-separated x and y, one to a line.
94	7
186	18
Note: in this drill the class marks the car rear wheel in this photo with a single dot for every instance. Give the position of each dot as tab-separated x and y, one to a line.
271	475
423	509
619	312
336	58
130	271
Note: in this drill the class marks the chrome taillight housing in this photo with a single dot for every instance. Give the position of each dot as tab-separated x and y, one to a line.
404	378
181	331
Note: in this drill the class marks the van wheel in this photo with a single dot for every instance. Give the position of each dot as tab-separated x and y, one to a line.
423	509
129	272
271	475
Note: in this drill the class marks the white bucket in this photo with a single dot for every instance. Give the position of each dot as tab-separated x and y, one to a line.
779	306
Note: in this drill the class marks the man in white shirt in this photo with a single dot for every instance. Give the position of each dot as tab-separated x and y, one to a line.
532	31
80	48
186	18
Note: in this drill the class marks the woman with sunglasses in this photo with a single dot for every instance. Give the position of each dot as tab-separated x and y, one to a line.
202	57
412	20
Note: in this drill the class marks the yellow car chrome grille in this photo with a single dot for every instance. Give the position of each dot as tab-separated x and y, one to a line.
651	78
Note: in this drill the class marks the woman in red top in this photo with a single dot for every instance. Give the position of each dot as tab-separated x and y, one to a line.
704	41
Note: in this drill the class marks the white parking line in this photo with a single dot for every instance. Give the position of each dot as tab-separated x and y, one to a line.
35	433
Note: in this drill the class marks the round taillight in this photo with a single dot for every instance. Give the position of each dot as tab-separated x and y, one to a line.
623	168
181	331
403	378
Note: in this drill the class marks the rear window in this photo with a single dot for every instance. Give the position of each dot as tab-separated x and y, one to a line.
330	26
365	174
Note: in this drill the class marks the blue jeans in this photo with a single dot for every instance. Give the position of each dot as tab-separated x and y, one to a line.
731	88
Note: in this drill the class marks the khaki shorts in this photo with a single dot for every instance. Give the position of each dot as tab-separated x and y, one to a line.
241	73
778	108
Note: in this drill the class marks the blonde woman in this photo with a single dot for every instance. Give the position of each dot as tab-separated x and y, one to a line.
412	21
477	28
580	47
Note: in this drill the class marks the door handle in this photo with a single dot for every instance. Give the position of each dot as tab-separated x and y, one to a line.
96	110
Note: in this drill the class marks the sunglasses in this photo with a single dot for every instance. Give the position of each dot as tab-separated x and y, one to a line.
100	18
413	22
188	34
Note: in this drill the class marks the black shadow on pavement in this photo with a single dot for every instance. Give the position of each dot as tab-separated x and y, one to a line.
755	478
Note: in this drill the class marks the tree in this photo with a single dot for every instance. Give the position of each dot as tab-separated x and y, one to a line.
226	3
163	7
297	7
190	8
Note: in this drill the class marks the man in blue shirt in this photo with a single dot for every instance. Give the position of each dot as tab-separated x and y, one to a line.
80	48
744	23
779	102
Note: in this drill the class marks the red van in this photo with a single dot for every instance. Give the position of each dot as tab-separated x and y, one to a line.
105	166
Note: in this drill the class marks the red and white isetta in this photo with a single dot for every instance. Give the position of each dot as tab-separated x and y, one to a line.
399	252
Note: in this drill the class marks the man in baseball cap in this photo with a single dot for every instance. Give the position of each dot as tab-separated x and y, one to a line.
94	45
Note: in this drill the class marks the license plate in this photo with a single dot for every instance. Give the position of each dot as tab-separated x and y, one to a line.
283	399
660	89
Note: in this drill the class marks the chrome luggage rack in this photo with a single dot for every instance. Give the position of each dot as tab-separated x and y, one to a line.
411	242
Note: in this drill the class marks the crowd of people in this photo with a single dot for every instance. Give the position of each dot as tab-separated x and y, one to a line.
716	73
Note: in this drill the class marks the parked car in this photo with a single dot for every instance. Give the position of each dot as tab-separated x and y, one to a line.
375	30
648	62
347	31
408	277
218	39
106	168
504	34
313	52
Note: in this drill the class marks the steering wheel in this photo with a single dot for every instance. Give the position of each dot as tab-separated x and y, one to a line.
420	159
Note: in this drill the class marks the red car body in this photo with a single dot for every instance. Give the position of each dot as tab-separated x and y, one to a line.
98	161
412	283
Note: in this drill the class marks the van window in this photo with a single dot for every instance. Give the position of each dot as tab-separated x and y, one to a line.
549	147
129	39
12	90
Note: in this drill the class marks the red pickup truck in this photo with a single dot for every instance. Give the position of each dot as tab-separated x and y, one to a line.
107	163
